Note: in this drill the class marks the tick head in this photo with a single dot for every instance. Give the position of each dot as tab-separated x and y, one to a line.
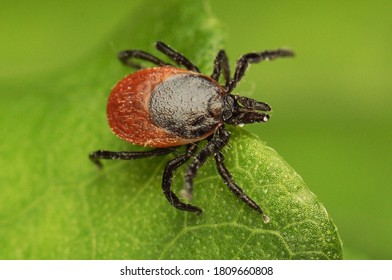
240	110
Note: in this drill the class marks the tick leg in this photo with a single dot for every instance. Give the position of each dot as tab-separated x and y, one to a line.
96	156
221	62
126	57
256	57
176	56
168	176
215	143
192	169
228	180
214	147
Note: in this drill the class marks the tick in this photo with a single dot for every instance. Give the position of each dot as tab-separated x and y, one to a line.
166	107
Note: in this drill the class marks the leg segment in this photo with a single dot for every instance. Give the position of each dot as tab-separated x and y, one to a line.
213	148
228	179
96	156
221	63
126	58
168	176
176	56
215	143
245	60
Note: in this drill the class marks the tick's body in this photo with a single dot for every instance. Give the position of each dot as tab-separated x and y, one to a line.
166	107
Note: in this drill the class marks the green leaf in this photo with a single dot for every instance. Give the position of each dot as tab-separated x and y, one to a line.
55	204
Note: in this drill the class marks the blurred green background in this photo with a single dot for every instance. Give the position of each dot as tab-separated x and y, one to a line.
332	117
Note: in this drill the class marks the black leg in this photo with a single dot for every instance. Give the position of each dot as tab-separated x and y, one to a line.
245	60
221	63
213	148
192	169
98	155
215	143
176	56
228	179
126	58
168	176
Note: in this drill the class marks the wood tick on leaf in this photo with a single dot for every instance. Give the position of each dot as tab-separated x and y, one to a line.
166	107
